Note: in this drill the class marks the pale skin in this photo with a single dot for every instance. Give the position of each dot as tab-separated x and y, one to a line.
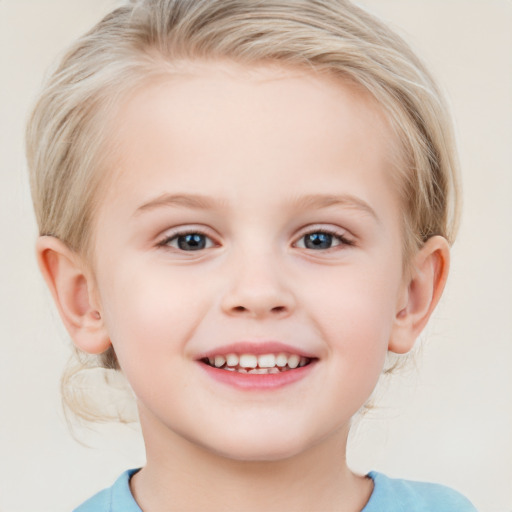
278	156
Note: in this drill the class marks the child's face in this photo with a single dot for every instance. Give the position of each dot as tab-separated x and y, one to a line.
282	181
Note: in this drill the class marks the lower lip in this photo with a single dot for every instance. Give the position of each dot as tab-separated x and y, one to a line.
257	382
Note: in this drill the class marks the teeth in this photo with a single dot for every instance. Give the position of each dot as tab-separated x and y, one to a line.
248	361
293	361
266	361
219	361
264	371
258	364
281	360
232	360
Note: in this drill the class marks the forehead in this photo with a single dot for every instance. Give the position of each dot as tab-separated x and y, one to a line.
231	130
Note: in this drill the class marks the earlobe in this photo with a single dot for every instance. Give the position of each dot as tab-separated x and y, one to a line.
422	292
71	288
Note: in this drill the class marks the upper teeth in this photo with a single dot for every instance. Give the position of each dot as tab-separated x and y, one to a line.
280	360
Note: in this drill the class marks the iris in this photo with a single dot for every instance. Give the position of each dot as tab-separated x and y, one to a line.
318	241
192	242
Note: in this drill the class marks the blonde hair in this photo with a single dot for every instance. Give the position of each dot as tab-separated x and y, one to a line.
67	131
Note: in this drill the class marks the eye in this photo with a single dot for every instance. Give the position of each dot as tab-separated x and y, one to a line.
191	241
322	240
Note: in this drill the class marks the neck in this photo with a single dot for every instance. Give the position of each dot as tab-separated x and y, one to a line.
180	475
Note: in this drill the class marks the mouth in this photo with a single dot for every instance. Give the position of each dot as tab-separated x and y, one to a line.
259	364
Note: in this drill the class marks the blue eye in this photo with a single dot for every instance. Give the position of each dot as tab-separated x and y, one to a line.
321	240
318	241
196	241
188	242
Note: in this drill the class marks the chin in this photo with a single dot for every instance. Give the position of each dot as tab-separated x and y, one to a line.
257	448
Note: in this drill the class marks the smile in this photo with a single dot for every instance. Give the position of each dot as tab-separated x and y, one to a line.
257	364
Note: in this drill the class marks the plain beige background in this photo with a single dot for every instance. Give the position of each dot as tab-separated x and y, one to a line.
449	420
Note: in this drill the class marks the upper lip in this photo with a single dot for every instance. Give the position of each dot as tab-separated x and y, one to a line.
256	348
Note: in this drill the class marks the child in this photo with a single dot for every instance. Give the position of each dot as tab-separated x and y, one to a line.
243	207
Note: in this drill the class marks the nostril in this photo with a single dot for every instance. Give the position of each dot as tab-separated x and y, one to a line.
276	309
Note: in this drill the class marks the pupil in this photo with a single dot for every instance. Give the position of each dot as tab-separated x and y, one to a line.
318	241
192	242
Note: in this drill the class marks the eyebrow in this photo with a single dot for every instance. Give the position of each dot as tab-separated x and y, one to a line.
202	202
194	201
328	200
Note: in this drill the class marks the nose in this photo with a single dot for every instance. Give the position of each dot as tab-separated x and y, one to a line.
258	289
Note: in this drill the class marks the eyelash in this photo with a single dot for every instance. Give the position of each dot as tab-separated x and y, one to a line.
341	237
165	243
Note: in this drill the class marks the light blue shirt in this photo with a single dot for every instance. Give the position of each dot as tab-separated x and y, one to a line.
389	495
397	495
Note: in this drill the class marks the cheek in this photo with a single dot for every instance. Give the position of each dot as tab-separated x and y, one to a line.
147	314
357	331
355	311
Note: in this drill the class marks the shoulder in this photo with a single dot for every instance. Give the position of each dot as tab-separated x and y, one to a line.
397	495
117	498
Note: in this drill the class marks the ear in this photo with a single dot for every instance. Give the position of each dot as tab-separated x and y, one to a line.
421	293
72	288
